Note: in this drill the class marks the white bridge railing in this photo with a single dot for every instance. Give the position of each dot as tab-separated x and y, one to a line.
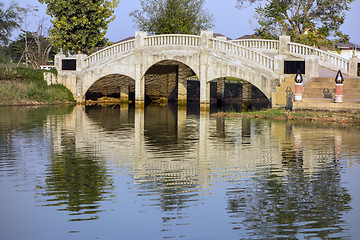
326	58
262	44
244	52
173	39
109	51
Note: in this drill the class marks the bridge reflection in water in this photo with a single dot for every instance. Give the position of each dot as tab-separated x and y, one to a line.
270	178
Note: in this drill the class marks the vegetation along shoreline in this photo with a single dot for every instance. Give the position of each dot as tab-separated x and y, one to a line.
26	86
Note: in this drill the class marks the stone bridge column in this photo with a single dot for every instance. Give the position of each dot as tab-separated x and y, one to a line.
206	44
182	85
284	44
220	90
311	67
246	94
140	75
80	66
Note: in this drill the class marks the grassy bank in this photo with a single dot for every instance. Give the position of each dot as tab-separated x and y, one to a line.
311	116
25	86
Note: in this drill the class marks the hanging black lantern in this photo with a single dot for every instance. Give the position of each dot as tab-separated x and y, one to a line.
298	77
339	78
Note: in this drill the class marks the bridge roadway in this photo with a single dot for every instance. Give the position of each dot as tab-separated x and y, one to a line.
257	61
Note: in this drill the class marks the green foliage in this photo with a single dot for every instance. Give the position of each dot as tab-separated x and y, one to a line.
22	73
80	25
9	20
310	22
172	17
27	86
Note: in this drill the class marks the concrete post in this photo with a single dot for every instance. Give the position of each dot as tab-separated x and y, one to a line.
80	65
205	37
140	75
298	92
205	45
139	90
220	90
339	96
246	94
204	95
140	39
182	85
311	67
354	67
279	64
80	62
283	44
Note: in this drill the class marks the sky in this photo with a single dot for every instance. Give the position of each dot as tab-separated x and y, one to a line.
229	20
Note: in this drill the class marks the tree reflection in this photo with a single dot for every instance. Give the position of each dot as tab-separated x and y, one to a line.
77	180
19	125
290	202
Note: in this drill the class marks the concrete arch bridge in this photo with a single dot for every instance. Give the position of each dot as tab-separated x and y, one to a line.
138	64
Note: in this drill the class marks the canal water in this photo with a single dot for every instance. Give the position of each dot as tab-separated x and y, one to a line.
162	173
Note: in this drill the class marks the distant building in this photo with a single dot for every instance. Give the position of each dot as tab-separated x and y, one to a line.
221	37
348	49
252	36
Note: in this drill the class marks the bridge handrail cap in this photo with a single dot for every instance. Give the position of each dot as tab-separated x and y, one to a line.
246	48
114	45
319	50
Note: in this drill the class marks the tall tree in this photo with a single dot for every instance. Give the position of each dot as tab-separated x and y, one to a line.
312	22
80	25
172	17
9	20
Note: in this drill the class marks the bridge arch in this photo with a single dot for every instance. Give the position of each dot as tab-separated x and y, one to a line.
167	80
220	67
122	66
111	85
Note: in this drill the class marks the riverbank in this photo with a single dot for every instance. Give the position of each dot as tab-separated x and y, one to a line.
25	86
310	116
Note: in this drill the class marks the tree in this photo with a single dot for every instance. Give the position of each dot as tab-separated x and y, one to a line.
172	17
80	25
26	10
40	49
9	20
311	22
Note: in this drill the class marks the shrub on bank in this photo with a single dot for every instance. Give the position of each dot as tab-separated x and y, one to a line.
25	86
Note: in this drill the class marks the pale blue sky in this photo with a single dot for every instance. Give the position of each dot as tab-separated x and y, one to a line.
229	20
